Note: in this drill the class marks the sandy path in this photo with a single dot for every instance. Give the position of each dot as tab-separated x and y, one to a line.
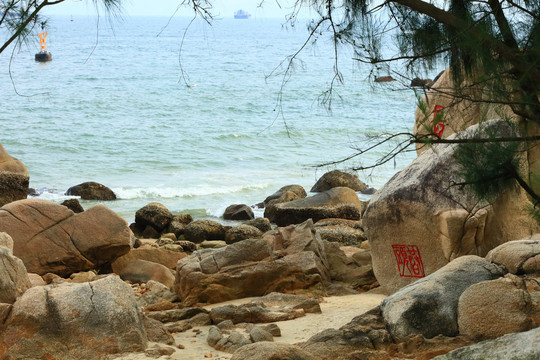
336	312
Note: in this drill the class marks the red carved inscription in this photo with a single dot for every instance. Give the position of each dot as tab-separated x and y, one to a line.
409	261
438	126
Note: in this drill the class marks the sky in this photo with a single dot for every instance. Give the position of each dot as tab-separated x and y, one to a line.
222	8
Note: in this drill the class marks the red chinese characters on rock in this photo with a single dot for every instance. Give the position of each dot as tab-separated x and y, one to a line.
409	261
438	125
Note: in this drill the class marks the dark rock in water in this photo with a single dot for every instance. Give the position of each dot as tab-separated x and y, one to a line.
13	187
32	192
369	191
338	202
417	82
337	178
382	79
178	224
298	190
238	212
205	229
154	214
91	191
73	205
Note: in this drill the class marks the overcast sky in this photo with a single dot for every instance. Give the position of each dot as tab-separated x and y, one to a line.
223	8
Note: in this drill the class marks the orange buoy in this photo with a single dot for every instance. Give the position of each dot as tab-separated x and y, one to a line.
43	55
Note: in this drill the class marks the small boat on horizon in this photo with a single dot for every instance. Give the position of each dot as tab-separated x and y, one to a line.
241	14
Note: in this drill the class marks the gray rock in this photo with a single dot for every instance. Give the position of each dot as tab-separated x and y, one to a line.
214	336
429	306
258	334
233	342
337	178
175	314
14	279
272	329
156	332
517	346
272	351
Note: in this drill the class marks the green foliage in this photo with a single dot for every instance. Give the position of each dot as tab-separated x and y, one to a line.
488	168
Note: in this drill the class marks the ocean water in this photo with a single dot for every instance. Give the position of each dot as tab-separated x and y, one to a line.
196	130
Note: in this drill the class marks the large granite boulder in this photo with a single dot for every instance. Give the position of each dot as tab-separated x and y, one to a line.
283	259
493	308
10	164
518	257
518	346
92	191
337	178
73	321
338	202
429	306
14	279
49	237
13	187
297	191
420	220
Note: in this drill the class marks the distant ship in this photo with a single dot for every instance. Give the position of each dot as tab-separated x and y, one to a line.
241	14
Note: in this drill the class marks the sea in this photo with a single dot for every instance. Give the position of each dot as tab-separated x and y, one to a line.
192	115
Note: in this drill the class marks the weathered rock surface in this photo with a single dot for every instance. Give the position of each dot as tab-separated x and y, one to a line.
73	205
345	232
242	232
339	202
155	215
297	190
238	212
92	191
419	221
518	257
50	238
14	280
354	269
429	306
11	164
491	309
337	178
156	331
6	241
161	256
200	230
13	187
178	224
271	351
142	271
262	224
512	346
73	321
283	259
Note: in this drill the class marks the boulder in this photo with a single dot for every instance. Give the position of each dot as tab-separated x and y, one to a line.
49	237
6	241
74	321
252	313
419	221
298	191
429	306
200	230
458	112
14	280
13	187
156	331
353	270
338	178
155	215
161	256
271	351
384	79
522	345
10	164
142	271
423	83
74	205
518	257
345	232
178	224
238	212
339	202
261	223
491	309
283	259
242	232
91	191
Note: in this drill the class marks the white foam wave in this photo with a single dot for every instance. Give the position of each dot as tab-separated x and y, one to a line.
170	192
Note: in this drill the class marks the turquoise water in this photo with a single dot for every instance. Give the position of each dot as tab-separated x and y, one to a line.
113	107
